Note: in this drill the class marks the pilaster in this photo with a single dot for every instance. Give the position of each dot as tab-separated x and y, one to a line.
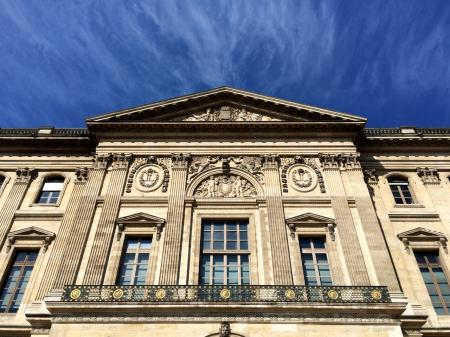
23	178
175	214
64	233
73	251
376	243
332	164
98	258
279	243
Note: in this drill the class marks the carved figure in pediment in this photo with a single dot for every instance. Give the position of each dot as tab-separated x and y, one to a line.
227	113
225	186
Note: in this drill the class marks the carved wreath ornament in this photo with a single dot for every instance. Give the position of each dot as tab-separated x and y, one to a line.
226	186
149	178
302	178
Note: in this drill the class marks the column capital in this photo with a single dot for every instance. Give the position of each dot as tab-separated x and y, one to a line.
121	160
181	160
25	174
339	160
101	161
81	174
270	160
371	176
429	175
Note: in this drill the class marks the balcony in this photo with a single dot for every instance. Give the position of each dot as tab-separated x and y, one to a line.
197	294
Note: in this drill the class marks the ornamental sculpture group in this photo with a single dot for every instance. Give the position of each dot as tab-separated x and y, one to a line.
228	186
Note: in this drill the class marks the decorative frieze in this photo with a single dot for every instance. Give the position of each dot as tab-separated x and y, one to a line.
150	173
25	175
226	113
225	186
429	175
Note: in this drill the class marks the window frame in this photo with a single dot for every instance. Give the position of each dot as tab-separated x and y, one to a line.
5	182
314	252
40	185
139	250
406	181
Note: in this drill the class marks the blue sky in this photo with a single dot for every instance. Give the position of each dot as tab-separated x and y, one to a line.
62	61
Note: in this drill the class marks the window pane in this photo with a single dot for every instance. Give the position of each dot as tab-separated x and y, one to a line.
134	263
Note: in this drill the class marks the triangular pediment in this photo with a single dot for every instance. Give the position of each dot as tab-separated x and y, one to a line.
421	233
225	105
31	232
310	218
141	217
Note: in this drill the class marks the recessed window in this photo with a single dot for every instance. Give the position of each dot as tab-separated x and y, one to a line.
51	190
17	280
435	280
225	252
135	260
400	190
315	262
2	180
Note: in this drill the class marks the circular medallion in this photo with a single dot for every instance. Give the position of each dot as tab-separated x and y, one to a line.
118	293
289	294
333	294
75	294
376	294
225	294
149	178
302	178
160	294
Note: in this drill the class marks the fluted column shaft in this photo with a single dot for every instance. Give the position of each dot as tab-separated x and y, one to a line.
14	199
174	226
98	258
61	243
378	249
73	252
344	221
282	273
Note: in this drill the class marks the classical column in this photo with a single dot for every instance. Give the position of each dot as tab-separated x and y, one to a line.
14	199
73	251
331	164
376	243
64	233
97	262
174	227
282	273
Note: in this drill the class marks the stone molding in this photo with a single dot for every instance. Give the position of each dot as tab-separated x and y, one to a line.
25	175
31	233
311	219
140	219
429	175
423	237
339	161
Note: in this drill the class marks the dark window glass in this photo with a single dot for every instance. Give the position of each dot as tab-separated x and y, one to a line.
315	262
16	281
225	255
435	280
135	261
400	191
51	191
2	180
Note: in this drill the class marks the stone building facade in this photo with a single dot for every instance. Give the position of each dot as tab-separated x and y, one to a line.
224	213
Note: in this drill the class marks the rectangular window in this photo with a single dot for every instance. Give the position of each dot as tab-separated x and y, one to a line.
315	262
225	252
435	280
51	191
400	191
135	260
16	280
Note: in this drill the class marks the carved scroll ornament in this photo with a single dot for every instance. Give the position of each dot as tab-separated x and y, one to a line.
225	186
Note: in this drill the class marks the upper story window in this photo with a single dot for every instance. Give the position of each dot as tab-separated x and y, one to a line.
400	190
315	262
2	180
435	280
51	190
225	252
16	281
135	260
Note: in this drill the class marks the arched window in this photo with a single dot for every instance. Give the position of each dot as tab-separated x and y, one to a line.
51	190
400	190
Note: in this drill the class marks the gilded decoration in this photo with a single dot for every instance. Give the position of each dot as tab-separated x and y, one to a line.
227	113
225	186
149	174
301	173
249	164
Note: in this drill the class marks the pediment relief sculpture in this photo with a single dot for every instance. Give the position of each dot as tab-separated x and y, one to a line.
226	113
225	186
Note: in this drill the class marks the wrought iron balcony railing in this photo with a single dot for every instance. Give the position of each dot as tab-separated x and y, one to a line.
224	294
